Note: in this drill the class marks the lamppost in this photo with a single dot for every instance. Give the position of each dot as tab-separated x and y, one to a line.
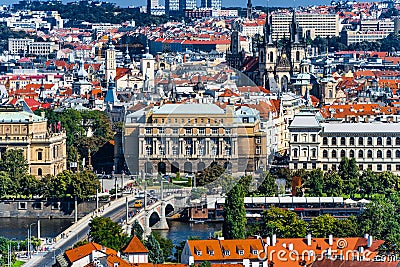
29	239
9	252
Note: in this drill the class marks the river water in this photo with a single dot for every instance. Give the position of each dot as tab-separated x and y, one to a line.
179	231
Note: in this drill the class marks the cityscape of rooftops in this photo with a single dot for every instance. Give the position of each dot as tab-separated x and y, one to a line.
181	133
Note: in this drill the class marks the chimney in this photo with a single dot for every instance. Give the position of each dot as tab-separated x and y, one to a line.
369	241
284	245
290	246
330	240
268	241
361	249
308	239
273	240
366	236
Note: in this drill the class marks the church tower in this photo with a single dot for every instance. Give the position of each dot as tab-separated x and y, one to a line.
235	56
147	63
110	61
297	47
249	10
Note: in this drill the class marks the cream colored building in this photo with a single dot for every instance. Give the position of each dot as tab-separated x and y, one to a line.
45	152
189	137
311	24
316	144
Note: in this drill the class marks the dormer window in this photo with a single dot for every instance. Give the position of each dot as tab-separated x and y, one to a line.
227	253
198	252
211	252
241	252
254	252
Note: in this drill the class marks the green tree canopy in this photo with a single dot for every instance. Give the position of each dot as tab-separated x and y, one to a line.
107	233
315	182
155	251
166	245
234	212
283	223
333	184
137	230
268	186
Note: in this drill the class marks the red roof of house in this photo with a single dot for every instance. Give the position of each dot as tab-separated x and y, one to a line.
135	246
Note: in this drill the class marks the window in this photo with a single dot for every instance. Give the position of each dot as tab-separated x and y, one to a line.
161	130
369	141
175	130
39	155
175	151
352	141
314	152
325	141
370	166
211	252
258	150
227	252
148	130
325	154
369	154
198	252
379	141
254	252
295	138
304	165
342	154
334	141
241	252
313	138
389	154
188	130
325	167
295	153
389	141
379	154
342	141
295	166
397	167
22	205
40	172
161	150
214	151
188	151
334	154
149	151
397	141
397	154
361	167
214	130
351	153
379	167
389	167
360	154
228	131
360	141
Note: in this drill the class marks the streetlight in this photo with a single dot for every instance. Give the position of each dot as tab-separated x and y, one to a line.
29	239
9	251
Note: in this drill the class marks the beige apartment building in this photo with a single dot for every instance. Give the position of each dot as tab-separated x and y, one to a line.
44	151
29	46
189	137
310	24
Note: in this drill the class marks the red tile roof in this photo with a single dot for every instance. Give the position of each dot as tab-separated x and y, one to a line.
135	246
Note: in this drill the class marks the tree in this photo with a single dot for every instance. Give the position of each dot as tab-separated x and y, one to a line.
368	183
234	212
14	163
314	182
322	226
29	185
333	184
283	223
268	187
155	251
107	233
346	227
387	182
209	174
166	245
205	264
6	184
137	230
348	171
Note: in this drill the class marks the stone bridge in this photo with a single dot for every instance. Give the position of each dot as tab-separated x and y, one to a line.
153	216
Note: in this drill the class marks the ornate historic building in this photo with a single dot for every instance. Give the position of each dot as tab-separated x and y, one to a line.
189	137
43	145
317	144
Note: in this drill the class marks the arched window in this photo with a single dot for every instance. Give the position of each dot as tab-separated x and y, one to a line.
369	154
397	141
379	141
360	154
360	141
379	154
389	154
334	154
352	141
40	172
351	153
330	93
295	153
271	57
262	56
389	141
342	153
342	141
398	154
325	154
39	155
297	56
325	140
369	141
334	141
148	65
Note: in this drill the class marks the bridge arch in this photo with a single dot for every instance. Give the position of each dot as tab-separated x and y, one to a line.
154	218
174	167
168	209
161	167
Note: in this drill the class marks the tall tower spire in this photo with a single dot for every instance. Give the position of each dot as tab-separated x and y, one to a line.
249	10
294	29
268	28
